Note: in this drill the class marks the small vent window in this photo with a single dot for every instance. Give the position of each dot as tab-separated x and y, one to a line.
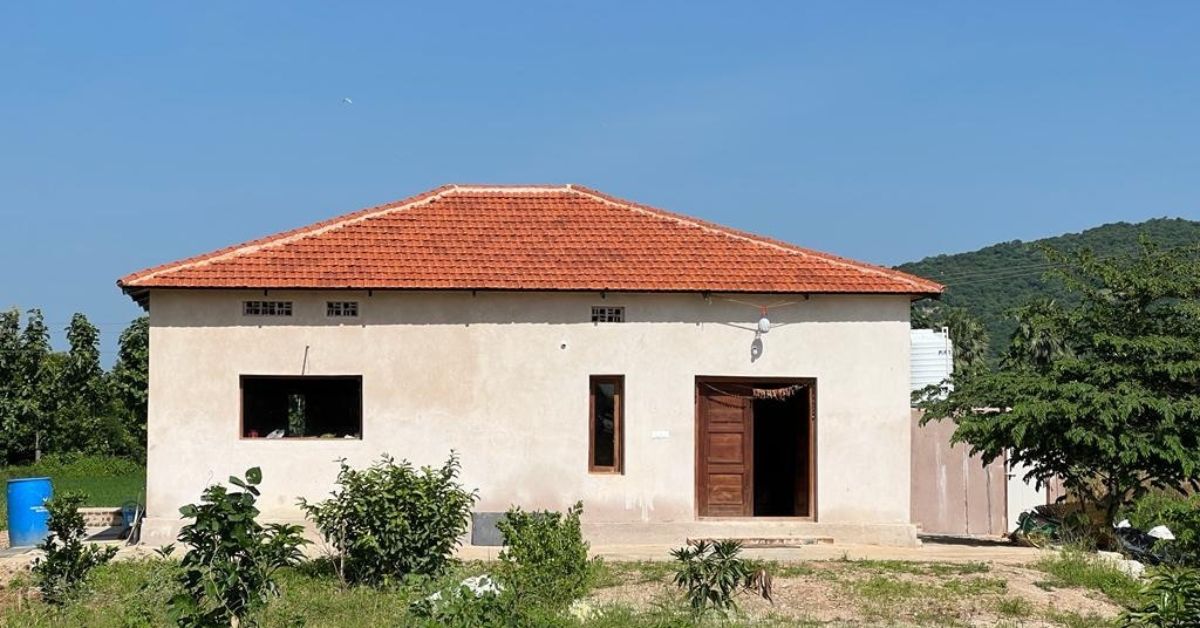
341	309
602	314
266	308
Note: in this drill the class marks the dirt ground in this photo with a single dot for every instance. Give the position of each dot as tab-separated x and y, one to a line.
859	593
934	585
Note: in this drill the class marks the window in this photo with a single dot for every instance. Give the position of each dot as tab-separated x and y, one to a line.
341	309
606	424
266	308
603	314
301	407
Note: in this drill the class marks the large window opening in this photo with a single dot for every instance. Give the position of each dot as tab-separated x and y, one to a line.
781	456
301	407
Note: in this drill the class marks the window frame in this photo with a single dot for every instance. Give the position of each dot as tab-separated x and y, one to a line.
618	466
608	314
281	304
341	308
241	427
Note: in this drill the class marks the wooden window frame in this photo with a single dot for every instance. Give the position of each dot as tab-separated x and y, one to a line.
618	381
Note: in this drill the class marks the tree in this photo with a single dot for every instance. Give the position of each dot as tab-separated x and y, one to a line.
130	379
1038	337
10	379
1114	410
83	417
24	374
64	401
36	372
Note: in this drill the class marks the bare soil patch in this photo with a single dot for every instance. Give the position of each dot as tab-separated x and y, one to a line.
887	592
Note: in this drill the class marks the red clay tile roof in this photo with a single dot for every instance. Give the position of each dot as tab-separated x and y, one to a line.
486	237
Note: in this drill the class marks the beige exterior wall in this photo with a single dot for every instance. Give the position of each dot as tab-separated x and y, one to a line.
503	379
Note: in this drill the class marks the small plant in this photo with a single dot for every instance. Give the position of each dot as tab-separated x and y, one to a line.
64	569
460	607
712	573
1172	597
390	520
1014	607
1179	513
544	562
228	570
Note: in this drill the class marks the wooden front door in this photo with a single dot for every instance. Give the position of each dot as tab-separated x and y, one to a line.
725	474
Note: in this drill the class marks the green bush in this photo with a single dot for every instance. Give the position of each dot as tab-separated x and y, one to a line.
78	465
1179	513
229	568
544	563
544	568
711	574
65	567
390	520
457	606
1172	599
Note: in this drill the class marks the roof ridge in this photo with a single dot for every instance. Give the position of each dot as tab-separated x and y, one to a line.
754	238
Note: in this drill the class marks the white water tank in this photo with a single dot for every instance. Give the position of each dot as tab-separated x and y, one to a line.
931	359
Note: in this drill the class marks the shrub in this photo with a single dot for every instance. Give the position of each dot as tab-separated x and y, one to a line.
712	573
81	465
1172	599
543	569
390	520
460	607
1180	514
228	570
544	562
64	569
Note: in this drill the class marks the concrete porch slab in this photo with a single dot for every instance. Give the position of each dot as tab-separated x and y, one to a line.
929	552
780	531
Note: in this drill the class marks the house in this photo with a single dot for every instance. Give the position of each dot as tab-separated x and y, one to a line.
681	378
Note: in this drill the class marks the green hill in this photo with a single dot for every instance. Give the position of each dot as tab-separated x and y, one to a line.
993	279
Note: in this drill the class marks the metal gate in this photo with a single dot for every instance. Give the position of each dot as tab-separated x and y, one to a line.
952	491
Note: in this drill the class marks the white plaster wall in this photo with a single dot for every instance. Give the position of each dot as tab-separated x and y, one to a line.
503	379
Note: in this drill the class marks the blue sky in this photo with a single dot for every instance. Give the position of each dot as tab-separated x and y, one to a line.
133	134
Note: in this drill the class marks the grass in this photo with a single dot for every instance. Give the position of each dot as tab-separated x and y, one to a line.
921	568
1076	569
1014	607
633	572
881	592
105	481
135	593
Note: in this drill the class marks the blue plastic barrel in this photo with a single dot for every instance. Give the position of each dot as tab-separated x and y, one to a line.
27	518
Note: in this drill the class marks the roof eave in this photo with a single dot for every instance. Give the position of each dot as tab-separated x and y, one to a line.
141	294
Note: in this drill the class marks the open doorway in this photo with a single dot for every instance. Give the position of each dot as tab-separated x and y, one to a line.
780	456
755	447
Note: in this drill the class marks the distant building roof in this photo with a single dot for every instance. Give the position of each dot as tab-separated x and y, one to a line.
489	237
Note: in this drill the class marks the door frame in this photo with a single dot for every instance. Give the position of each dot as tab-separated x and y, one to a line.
808	382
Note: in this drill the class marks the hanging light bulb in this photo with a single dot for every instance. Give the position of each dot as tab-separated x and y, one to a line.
764	323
